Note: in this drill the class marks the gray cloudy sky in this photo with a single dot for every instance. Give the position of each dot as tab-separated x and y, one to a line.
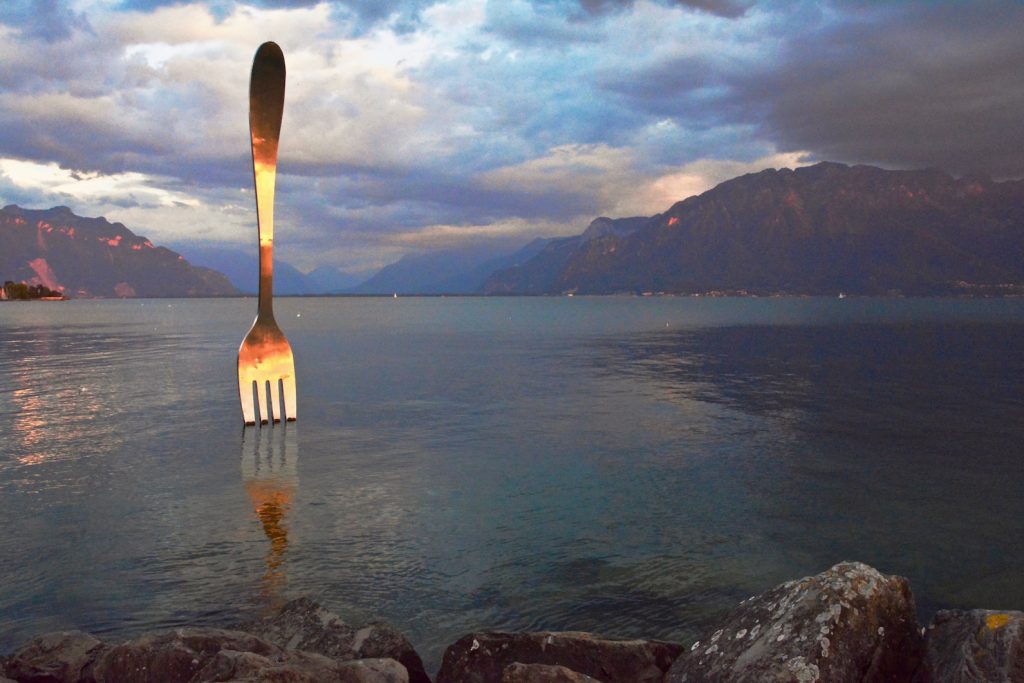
417	125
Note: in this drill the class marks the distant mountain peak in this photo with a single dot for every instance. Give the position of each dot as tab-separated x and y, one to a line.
91	257
819	229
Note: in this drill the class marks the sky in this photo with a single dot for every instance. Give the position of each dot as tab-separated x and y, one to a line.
415	125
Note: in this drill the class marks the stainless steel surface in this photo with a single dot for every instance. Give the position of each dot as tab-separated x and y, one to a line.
266	366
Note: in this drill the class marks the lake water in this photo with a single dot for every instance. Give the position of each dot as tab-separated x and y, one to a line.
630	466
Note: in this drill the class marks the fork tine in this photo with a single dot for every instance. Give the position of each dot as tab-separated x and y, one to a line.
275	399
288	387
261	396
245	394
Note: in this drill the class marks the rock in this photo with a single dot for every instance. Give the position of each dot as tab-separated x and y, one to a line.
304	625
976	646
847	624
483	657
543	673
231	665
61	657
206	654
381	640
179	655
299	667
301	624
373	670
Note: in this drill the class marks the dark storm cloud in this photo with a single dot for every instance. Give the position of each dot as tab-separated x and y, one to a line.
677	86
912	85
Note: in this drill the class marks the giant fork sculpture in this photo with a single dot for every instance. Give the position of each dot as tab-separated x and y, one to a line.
266	367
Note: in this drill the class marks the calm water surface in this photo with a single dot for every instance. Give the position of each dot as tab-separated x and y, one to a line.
628	466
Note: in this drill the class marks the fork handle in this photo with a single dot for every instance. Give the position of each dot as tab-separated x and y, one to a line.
266	107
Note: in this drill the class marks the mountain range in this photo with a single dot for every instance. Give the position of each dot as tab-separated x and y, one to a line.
819	229
240	266
453	271
92	257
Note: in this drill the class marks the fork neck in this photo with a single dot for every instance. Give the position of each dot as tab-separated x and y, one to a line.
265	175
266	300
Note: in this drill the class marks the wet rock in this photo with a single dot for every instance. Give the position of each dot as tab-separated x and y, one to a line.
61	657
847	624
483	657
543	673
304	625
177	656
976	646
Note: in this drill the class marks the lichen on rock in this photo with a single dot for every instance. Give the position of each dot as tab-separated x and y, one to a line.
847	624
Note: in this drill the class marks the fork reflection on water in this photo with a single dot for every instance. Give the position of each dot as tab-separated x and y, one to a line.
270	473
634	467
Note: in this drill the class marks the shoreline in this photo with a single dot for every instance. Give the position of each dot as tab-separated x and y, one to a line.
849	623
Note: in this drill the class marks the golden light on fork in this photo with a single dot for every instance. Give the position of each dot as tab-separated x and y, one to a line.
266	366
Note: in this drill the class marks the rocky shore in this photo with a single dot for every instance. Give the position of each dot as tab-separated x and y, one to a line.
848	624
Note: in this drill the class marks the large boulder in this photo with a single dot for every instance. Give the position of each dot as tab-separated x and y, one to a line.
849	624
61	657
976	646
483	657
543	673
304	625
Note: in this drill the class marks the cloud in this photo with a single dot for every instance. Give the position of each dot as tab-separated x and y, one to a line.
723	8
514	231
47	20
90	188
700	176
592	180
422	123
532	23
159	207
402	15
908	85
412	121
